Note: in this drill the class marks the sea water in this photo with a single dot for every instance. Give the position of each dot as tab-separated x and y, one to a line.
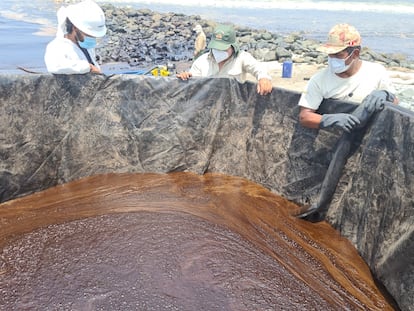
386	26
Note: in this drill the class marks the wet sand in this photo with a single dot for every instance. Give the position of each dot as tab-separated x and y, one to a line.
176	241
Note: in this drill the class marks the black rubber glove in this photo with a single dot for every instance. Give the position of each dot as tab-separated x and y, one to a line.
343	121
376	99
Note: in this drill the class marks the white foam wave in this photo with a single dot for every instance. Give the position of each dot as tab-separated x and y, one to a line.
22	17
363	6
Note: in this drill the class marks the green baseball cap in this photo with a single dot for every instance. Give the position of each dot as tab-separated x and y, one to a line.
224	36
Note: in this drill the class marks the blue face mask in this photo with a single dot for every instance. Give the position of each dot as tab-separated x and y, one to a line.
87	43
219	55
337	65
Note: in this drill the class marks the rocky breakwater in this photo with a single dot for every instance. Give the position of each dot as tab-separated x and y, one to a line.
141	37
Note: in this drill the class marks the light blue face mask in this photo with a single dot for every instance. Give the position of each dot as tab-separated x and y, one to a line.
337	65
219	55
87	43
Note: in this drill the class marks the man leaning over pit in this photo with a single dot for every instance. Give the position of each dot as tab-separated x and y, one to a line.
347	77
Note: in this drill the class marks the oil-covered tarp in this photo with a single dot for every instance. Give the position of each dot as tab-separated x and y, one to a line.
56	129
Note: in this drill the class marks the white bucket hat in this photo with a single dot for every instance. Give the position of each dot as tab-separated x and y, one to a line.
198	28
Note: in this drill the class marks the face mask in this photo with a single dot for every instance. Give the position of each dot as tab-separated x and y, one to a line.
219	56
337	65
87	43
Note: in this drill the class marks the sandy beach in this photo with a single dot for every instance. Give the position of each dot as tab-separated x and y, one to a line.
301	73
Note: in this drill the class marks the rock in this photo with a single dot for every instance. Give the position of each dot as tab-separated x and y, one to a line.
266	36
282	53
244	39
265	55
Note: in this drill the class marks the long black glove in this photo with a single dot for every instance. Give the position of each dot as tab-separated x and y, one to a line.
316	212
344	121
376	99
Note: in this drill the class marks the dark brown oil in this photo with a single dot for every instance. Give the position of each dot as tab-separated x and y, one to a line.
174	242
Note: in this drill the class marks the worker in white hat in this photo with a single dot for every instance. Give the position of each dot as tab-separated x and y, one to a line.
200	41
73	49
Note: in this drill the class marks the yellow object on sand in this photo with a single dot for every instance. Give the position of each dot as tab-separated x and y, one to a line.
160	71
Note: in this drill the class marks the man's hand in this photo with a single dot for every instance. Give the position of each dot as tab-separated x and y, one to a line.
343	121
264	86
94	69
184	75
375	101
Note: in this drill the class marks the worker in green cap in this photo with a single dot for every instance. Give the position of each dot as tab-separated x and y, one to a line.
224	59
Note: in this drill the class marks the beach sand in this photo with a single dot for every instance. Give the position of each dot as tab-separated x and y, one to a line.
301	73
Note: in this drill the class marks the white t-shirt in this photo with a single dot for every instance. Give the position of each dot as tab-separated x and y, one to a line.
325	84
237	67
62	56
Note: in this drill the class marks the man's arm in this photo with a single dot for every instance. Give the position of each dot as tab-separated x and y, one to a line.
309	118
196	68
259	71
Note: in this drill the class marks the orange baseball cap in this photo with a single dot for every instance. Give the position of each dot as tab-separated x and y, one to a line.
340	37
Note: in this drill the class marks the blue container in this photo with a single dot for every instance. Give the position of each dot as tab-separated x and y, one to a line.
287	69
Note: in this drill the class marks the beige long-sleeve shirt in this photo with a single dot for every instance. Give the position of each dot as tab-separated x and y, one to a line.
236	66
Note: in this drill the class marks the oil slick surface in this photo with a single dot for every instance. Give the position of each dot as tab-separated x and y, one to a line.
176	241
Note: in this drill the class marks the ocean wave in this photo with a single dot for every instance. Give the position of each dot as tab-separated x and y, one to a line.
399	7
23	17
